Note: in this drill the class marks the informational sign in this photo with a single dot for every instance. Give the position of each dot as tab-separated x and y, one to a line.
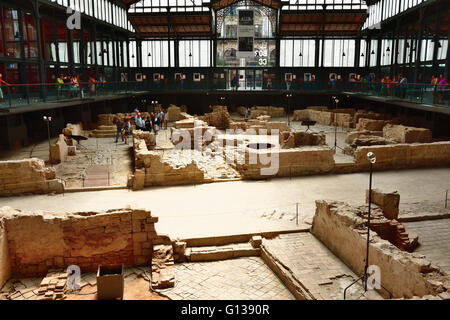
246	33
261	54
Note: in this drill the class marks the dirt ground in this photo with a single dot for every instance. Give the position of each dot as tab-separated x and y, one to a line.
136	288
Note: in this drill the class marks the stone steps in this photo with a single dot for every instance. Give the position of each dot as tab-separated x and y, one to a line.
103	134
214	253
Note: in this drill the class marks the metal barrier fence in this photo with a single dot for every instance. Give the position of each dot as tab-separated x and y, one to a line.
16	95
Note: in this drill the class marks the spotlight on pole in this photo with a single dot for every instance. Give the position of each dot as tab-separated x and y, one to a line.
372	158
48	120
288	97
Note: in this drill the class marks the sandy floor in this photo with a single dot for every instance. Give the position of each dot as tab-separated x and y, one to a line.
136	288
249	206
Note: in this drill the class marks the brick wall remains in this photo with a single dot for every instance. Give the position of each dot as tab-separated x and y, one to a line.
28	176
151	169
59	151
5	266
39	241
341	228
291	162
404	156
402	134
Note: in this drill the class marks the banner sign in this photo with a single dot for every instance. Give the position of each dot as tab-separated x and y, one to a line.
246	33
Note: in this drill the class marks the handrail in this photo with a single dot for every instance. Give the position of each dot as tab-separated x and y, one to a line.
222	80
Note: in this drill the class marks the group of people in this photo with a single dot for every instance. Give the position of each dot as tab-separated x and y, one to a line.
395	87
67	85
70	85
439	88
154	122
123	128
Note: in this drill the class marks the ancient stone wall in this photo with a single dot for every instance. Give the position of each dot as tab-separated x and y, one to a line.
257	125
5	266
289	162
59	151
347	118
174	113
257	111
39	241
402	134
340	228
219	119
152	169
28	176
73	129
301	139
404	156
370	125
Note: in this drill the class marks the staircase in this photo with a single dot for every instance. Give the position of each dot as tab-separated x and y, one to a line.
104	132
214	253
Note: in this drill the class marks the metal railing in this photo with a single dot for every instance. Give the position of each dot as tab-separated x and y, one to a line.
412	92
16	95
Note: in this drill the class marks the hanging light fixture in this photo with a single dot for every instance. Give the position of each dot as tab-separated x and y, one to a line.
373	52
388	49
343	54
362	54
407	44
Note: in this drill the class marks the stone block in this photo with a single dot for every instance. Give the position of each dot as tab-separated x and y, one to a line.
256	241
388	202
72	151
370	125
403	134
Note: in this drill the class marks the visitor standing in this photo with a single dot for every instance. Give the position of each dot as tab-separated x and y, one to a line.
434	82
403	86
248	113
148	124
91	84
59	85
140	125
119	126
126	129
166	118
440	93
235	82
2	82
153	120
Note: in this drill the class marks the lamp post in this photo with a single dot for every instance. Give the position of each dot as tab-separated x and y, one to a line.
48	120
154	103
372	159
336	100
289	96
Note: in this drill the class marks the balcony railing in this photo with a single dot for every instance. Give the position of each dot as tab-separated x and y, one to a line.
18	95
412	92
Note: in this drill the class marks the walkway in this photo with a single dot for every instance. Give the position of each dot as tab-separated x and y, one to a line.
237	279
247	206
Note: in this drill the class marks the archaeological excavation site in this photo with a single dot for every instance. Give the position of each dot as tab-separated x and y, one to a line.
224	159
240	203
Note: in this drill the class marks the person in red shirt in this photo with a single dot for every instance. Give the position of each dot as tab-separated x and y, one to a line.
1	83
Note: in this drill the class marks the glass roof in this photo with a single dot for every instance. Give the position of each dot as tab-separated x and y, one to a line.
201	5
330	5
